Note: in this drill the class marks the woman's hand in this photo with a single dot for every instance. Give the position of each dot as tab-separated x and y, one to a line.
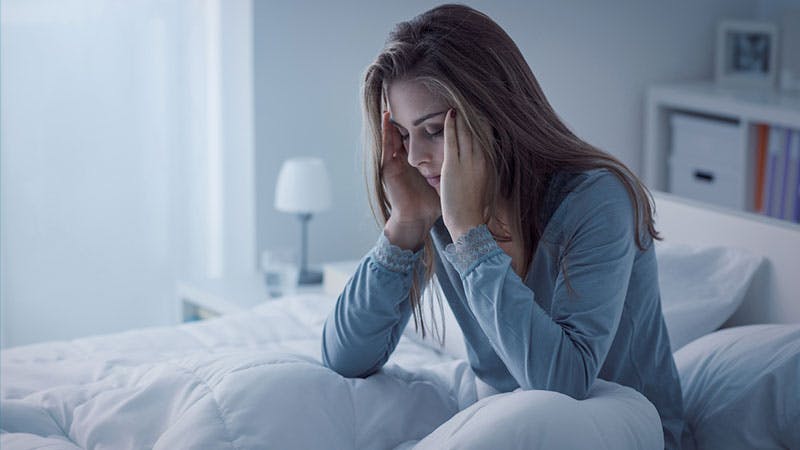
463	182
415	204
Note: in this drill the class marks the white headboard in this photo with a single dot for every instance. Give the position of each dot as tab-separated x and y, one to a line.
774	295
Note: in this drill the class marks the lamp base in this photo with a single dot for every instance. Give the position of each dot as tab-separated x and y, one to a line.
309	277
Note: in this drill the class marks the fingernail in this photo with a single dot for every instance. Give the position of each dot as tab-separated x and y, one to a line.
452	112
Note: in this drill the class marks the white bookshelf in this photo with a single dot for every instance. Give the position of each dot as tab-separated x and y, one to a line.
744	108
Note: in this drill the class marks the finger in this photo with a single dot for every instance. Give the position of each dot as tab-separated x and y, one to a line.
393	146
478	151
464	137
386	138
450	139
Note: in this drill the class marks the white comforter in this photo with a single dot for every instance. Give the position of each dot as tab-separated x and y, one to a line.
254	380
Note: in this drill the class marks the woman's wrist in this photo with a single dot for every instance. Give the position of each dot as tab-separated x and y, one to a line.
470	247
406	235
458	231
394	258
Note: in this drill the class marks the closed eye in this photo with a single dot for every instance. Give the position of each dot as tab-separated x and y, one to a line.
430	134
435	133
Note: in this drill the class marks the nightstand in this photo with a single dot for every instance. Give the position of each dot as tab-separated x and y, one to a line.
335	275
198	299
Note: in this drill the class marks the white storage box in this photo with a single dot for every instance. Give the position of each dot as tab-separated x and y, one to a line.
706	182
707	160
716	143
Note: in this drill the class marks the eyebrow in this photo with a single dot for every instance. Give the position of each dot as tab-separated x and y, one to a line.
421	119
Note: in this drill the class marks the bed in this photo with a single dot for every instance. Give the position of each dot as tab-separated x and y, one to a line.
730	289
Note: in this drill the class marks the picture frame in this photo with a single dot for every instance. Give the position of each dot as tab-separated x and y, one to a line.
746	54
789	77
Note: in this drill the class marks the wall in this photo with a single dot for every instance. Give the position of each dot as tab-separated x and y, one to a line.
786	15
126	155
771	10
593	60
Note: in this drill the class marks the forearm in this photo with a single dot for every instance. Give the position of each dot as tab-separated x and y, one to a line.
509	317
371	312
537	351
561	349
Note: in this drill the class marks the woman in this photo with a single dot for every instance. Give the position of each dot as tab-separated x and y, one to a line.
542	244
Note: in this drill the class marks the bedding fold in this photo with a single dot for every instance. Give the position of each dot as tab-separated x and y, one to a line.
246	381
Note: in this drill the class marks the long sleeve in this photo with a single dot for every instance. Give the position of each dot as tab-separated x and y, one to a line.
373	309
564	348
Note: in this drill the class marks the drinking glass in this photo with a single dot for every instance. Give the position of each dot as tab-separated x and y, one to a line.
280	271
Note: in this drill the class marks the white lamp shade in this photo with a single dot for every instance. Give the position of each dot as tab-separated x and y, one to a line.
303	186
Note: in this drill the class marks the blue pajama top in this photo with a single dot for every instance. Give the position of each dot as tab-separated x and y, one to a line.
535	333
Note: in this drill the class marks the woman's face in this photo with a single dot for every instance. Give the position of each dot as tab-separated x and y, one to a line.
419	117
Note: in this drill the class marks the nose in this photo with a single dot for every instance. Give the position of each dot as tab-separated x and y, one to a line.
418	152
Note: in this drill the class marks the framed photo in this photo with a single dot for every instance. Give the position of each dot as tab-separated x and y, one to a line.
747	54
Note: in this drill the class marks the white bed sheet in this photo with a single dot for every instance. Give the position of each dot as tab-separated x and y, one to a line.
254	380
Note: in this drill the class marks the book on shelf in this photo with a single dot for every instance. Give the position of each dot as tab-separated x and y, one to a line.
762	131
797	197
771	185
793	179
777	175
784	175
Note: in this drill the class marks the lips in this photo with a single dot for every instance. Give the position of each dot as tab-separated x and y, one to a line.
433	181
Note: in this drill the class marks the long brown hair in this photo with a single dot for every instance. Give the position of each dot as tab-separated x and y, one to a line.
463	56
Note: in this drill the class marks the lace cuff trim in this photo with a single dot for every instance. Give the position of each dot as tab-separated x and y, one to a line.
393	257
476	242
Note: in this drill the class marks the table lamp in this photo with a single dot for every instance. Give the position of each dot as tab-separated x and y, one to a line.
303	188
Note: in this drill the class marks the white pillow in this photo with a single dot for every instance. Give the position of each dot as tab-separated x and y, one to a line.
741	387
701	287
